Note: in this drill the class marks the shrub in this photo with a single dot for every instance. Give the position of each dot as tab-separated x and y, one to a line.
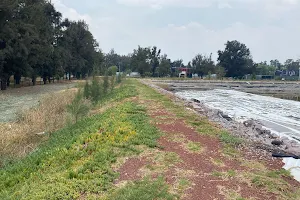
119	79
112	83
87	90
79	106
95	91
105	84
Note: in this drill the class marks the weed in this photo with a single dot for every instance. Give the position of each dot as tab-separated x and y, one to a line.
217	162
217	174
227	138
87	90
145	189
194	147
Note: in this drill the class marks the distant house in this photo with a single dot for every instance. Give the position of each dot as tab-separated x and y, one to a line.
185	72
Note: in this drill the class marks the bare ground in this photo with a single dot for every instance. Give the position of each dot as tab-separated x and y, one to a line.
198	166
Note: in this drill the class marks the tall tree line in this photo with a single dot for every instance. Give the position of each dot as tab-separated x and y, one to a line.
36	41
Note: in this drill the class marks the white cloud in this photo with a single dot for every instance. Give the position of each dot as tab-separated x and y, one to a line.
268	40
273	6
71	13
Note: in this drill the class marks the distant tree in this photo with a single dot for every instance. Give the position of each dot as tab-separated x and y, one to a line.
220	71
292	65
203	65
141	60
276	64
112	71
154	57
236	59
164	68
264	69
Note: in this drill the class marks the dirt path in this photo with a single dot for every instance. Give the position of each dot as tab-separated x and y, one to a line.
198	165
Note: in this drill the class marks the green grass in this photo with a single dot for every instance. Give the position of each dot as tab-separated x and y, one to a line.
145	189
194	146
77	160
229	139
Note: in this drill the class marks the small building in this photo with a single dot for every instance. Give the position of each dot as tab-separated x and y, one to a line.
134	75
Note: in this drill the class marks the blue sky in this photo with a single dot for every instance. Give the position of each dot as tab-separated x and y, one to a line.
184	28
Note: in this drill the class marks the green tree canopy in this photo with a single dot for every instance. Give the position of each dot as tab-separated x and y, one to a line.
236	59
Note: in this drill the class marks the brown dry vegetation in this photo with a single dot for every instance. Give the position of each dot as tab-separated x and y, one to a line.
19	138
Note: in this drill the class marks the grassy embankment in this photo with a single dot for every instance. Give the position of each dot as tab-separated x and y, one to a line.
79	161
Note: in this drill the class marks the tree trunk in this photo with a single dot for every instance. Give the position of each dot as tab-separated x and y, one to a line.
8	82
3	83
45	80
69	75
49	79
78	75
17	78
33	80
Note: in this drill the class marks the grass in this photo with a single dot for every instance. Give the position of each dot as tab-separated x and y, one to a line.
77	162
78	159
217	162
19	138
194	147
146	189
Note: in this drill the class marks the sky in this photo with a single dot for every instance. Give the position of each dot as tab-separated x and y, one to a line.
184	28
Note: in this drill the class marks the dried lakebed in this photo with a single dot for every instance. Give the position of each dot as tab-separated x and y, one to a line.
280	117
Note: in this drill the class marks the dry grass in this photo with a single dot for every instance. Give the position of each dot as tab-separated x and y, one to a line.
21	137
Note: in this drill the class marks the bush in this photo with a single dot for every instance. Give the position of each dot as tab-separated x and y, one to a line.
105	84
87	90
112	83
79	106
119	79
95	91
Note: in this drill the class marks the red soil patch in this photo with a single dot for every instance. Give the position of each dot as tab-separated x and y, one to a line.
129	170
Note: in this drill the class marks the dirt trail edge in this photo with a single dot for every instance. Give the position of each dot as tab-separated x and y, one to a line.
200	160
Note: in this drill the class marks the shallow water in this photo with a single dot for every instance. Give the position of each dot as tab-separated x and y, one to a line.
279	115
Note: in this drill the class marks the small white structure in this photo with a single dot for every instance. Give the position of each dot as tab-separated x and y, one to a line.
135	74
182	74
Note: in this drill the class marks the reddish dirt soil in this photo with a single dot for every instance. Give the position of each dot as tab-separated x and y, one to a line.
205	186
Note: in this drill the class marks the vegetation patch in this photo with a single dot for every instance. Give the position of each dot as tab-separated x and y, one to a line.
78	159
194	147
217	162
231	194
145	189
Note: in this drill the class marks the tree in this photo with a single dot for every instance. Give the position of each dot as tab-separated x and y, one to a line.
155	57
264	69
203	65
164	68
275	63
236	59
292	65
111	71
141	61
